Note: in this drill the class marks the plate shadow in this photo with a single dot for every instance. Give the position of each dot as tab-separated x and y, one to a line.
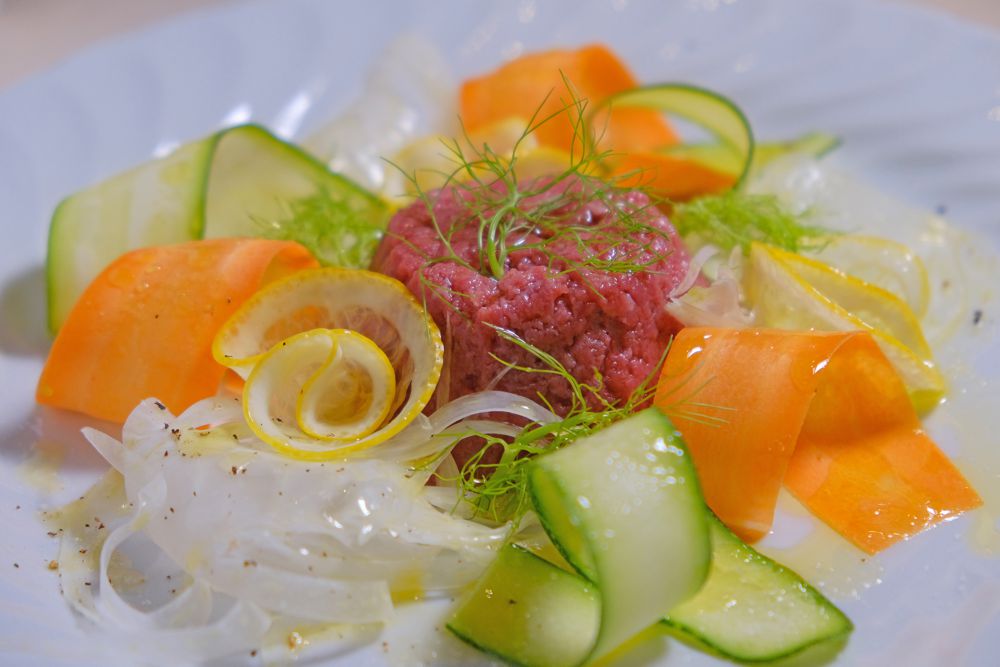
23	330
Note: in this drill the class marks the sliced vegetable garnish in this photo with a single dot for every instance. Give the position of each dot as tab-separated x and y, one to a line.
434	161
241	181
825	414
752	609
839	201
673	178
530	612
330	385
535	86
623	506
716	156
581	100
789	291
813	144
299	544
291	378
710	110
887	264
737	219
722	157
144	326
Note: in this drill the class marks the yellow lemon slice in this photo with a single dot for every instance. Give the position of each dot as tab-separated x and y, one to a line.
887	264
544	161
336	360
335	386
789	291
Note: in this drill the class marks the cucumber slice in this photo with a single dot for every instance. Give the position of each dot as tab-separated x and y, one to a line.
624	507
752	609
705	108
814	144
719	157
724	158
241	181
156	203
527	611
262	186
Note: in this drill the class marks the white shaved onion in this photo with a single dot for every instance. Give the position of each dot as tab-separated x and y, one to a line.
251	540
720	304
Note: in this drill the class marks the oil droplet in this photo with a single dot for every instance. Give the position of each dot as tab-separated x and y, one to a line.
820	555
408	586
964	418
985	534
41	469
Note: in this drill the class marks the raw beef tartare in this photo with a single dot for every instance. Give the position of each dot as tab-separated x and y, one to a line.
577	269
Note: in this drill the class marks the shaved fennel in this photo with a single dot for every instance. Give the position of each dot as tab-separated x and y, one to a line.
251	540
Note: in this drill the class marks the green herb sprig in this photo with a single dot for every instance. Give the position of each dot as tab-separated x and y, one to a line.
509	214
498	491
340	228
737	219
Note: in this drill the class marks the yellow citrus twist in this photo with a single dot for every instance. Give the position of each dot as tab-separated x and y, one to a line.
335	361
789	291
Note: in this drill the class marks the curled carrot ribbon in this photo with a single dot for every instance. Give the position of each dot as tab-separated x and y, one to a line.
826	415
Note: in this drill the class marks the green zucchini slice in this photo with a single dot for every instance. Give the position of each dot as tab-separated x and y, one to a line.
721	117
813	144
624	507
723	158
527	611
240	181
752	609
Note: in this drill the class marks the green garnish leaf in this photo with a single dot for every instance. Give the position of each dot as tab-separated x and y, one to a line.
340	228
738	219
547	215
499	491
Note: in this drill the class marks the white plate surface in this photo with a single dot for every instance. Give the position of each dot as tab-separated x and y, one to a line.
914	95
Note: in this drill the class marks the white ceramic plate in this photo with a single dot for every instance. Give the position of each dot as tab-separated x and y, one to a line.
915	96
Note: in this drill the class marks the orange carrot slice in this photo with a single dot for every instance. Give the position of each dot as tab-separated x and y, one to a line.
534	83
675	178
144	326
826	415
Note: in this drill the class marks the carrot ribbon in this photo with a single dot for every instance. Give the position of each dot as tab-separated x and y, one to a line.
826	415
144	326
534	86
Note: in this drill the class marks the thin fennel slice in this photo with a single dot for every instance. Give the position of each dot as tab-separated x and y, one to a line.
90	570
409	91
274	539
840	201
256	543
324	542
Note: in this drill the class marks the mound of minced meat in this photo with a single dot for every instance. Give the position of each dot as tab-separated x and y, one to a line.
604	320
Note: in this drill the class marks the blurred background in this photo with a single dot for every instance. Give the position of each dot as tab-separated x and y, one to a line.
35	34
